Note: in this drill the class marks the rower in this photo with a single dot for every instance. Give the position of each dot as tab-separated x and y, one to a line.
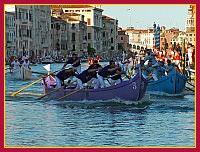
150	56
15	65
140	66
116	76
149	70
169	67
26	64
106	71
93	69
158	71
63	75
75	61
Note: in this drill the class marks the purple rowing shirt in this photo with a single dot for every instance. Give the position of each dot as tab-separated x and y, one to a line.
63	75
84	76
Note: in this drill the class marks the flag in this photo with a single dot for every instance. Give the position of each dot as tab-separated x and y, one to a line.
47	67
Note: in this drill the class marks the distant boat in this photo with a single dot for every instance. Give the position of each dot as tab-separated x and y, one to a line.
47	60
22	74
60	61
132	90
174	83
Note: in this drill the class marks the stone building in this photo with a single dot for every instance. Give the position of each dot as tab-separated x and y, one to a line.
93	17
33	23
109	37
123	40
59	36
10	37
191	25
77	33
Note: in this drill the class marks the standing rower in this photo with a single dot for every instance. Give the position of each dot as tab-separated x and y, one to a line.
75	61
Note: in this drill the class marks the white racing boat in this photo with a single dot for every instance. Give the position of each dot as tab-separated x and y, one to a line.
22	74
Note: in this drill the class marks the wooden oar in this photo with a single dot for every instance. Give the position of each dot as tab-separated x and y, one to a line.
128	76
70	93
15	93
190	89
52	91
48	94
190	84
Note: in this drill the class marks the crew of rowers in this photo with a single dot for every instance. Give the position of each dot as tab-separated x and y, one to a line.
16	65
96	75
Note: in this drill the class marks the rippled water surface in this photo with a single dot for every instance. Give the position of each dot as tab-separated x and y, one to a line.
162	121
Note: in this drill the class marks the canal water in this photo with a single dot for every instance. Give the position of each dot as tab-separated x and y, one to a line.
163	121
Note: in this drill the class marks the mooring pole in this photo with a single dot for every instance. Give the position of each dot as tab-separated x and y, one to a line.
183	56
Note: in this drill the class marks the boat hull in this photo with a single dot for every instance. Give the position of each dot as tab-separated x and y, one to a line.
22	74
174	83
130	90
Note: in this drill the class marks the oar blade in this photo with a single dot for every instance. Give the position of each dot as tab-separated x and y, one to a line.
15	93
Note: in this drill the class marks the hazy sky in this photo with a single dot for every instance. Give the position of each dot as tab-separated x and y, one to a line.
143	16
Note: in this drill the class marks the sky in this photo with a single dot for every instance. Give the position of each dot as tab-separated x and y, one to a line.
143	16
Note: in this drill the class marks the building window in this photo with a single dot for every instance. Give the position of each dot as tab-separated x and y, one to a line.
104	34
122	38
111	39
190	34
89	21
89	36
73	25
190	39
73	37
74	48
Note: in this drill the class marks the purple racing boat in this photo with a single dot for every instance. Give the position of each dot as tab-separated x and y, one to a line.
129	90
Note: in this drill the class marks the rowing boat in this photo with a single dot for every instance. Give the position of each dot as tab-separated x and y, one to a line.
130	90
174	83
22	73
